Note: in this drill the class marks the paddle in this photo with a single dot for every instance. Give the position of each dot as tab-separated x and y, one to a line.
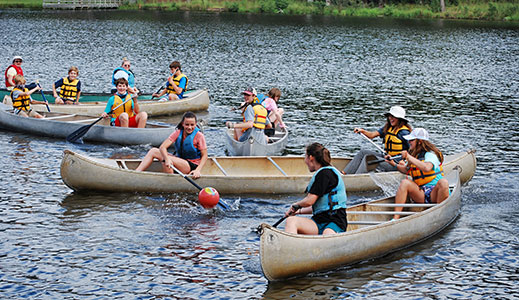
380	149
258	229
220	201
158	91
44	99
76	135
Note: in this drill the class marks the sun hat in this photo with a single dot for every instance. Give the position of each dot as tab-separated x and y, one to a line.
17	57
417	133
397	112
249	91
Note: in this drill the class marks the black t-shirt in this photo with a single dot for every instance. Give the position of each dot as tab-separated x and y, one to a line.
325	181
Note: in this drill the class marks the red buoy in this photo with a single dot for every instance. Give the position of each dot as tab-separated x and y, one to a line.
208	197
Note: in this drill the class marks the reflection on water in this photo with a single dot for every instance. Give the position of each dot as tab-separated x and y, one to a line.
457	79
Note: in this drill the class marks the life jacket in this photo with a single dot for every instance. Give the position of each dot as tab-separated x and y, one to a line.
261	98
335	199
127	107
187	149
68	89
19	71
422	178
22	102
260	116
176	80
392	144
131	76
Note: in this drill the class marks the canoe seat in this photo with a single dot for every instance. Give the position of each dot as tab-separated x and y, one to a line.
83	121
401	205
385	212
60	117
365	222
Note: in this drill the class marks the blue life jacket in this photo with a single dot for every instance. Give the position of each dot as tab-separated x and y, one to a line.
131	77
261	97
335	199
187	150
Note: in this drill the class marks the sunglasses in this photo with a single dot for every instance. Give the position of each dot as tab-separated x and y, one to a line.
17	61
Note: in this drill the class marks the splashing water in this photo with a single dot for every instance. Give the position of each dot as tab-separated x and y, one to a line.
388	184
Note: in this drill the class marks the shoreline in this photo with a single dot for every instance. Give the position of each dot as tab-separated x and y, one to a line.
484	11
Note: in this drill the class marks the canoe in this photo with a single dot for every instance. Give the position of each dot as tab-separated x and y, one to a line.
61	125
369	234
276	144
94	104
228	175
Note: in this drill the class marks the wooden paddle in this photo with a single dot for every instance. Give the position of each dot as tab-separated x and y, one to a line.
76	135
43	95
220	202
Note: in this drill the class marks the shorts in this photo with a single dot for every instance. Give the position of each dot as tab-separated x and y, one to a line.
31	113
192	166
322	226
131	122
427	189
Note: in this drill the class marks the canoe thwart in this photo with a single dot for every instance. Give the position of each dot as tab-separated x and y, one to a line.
277	166
382	212
402	205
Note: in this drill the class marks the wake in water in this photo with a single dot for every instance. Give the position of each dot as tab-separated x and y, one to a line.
388	184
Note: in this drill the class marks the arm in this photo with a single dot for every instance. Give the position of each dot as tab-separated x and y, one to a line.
369	134
196	172
160	94
303	206
77	98
177	89
136	107
164	151
37	88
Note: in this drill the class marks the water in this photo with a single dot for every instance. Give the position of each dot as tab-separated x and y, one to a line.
458	79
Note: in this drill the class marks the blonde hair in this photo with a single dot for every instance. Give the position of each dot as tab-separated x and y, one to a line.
73	68
19	79
423	145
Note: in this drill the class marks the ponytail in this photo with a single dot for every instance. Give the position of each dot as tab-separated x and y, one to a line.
187	115
320	153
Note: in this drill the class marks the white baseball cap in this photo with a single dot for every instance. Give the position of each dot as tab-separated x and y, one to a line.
17	57
417	133
397	112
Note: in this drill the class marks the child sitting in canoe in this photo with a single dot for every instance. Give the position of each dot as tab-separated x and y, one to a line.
176	84
274	112
21	98
128	114
325	199
190	146
69	88
424	165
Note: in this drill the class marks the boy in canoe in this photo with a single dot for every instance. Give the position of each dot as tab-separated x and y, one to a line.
325	199
255	120
69	88
21	97
176	85
128	114
190	147
424	165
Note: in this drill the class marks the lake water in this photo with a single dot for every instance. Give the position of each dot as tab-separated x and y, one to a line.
458	79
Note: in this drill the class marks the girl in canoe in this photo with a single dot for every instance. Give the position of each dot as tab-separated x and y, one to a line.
325	198
393	135
424	165
190	146
274	112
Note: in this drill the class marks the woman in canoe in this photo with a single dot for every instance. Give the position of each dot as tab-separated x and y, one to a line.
126	111
424	165
393	135
190	146
325	198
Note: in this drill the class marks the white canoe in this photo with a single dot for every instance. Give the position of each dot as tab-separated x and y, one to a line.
369	234
61	125
276	144
194	101
228	175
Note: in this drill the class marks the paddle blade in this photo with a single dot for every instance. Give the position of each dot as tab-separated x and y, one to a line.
76	135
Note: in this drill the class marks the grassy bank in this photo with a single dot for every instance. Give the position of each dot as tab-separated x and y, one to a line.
430	9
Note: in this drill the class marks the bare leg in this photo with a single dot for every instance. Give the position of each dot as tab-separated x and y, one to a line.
181	164
301	225
440	191
148	159
123	120
141	119
172	97
407	188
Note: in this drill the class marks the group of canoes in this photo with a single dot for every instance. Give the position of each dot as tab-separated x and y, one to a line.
430	181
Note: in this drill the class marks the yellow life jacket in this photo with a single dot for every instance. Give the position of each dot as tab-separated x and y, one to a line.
127	107
420	177
68	89
22	102
392	144
176	80
260	116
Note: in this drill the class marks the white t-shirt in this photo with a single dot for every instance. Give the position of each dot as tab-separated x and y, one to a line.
11	72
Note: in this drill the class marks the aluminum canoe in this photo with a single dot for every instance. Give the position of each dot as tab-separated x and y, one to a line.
370	234
61	125
277	143
94	104
228	175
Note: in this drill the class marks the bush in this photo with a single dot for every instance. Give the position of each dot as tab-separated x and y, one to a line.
281	4
268	6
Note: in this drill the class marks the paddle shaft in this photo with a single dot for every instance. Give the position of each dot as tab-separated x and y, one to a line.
225	206
378	147
44	98
74	136
158	91
279	222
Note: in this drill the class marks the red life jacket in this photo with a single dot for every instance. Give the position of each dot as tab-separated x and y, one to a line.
19	71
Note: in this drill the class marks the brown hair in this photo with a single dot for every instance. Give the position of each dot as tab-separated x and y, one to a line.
401	122
121	80
320	153
73	68
423	145
187	115
274	92
174	65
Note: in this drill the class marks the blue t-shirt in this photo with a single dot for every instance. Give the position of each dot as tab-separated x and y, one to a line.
181	84
432	158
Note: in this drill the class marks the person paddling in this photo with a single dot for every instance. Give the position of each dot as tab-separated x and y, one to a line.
128	114
190	146
392	134
176	84
424	166
325	199
21	98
